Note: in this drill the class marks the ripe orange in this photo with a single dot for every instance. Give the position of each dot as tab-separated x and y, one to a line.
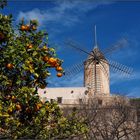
18	107
52	61
27	27
30	46
10	66
38	106
59	68
59	74
45	58
23	27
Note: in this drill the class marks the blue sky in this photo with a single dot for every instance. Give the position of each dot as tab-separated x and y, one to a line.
75	19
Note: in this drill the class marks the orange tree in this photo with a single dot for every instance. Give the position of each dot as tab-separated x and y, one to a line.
25	62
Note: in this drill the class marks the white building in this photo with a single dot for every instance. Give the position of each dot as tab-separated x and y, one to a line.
65	96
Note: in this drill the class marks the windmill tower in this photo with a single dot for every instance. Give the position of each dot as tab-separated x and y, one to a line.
96	73
97	67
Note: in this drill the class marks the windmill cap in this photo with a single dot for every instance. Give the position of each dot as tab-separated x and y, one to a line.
97	52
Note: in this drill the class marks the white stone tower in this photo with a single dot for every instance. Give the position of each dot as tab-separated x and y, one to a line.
96	73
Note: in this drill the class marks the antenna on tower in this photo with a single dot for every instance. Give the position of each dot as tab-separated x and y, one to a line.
95	37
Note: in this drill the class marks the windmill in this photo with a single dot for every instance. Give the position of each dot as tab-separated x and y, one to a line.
97	66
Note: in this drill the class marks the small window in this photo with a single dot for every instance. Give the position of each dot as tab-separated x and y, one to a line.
80	100
72	91
86	92
99	101
59	100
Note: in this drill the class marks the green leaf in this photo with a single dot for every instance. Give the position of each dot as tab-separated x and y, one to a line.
43	111
37	120
31	70
34	53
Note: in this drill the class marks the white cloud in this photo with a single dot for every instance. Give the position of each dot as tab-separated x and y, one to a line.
66	12
33	14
